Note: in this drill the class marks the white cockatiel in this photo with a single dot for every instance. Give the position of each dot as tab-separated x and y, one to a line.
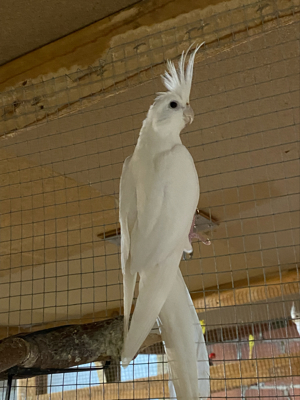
295	317
159	193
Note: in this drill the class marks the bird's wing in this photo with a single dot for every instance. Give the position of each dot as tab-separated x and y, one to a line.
127	216
164	218
158	238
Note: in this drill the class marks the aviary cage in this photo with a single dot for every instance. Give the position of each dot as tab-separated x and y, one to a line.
63	143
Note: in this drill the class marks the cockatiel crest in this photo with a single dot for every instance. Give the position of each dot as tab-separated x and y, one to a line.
180	82
171	110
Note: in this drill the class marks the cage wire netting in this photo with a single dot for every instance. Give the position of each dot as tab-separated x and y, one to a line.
63	144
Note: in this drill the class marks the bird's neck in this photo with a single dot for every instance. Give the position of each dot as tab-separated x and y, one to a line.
157	141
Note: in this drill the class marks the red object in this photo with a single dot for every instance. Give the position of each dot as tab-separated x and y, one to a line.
212	356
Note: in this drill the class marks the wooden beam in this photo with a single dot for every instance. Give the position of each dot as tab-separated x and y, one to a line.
82	48
259	290
85	46
115	53
248	372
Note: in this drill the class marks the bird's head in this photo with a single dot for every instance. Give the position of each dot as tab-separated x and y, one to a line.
171	110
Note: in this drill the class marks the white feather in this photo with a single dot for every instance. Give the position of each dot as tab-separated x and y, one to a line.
128	214
184	345
295	317
181	81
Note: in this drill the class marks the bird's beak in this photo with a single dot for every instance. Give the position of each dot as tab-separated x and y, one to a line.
188	114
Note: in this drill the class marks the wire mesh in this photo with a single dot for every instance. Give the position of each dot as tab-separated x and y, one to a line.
63	145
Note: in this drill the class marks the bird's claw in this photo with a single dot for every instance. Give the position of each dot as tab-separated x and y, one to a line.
196	235
187	256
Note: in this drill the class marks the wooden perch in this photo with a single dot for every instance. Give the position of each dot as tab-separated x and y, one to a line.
64	347
67	346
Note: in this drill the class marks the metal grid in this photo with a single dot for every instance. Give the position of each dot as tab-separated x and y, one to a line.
59	189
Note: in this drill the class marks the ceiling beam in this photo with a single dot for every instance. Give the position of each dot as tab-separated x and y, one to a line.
256	290
85	46
248	372
126	49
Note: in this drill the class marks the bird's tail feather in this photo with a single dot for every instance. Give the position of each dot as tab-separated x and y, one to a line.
154	287
129	281
184	344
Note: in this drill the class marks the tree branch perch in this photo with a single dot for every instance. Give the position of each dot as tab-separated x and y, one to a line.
65	347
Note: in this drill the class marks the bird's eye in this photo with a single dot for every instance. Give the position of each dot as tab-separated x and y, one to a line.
173	104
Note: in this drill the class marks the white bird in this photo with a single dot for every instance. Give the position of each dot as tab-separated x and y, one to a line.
295	317
159	193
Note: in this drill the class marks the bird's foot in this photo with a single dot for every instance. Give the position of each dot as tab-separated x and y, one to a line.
187	255
198	236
